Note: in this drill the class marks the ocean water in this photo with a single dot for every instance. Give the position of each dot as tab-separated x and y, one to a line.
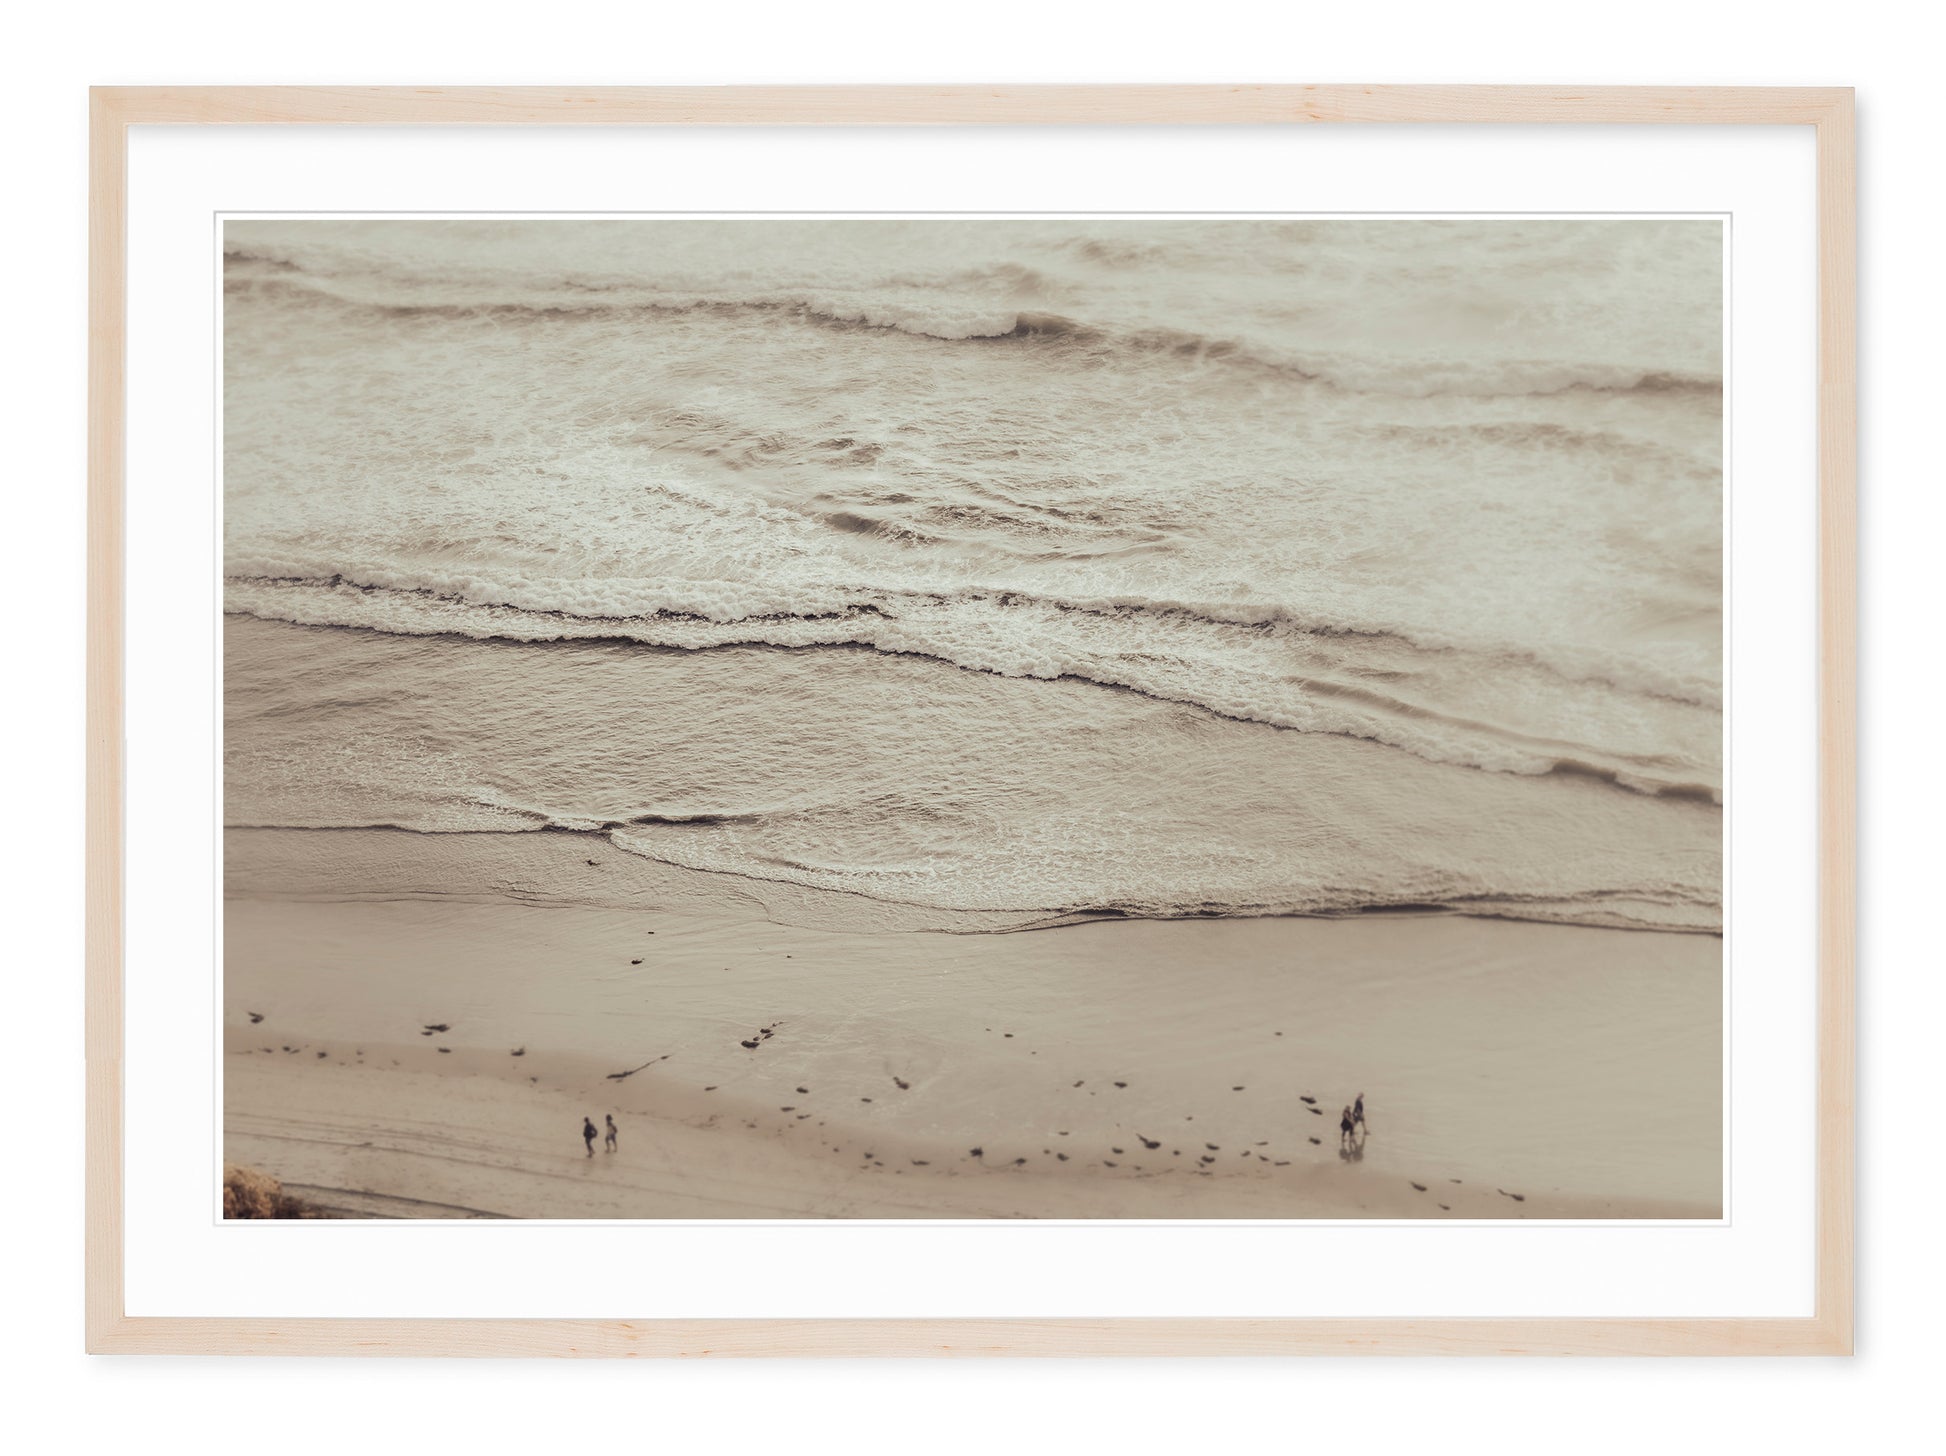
1004	571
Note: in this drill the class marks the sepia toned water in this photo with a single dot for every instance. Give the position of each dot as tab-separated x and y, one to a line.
1020	569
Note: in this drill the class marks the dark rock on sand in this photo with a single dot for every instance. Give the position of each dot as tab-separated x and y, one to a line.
255	1016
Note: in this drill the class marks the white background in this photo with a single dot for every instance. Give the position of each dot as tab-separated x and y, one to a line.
181	1262
1373	1406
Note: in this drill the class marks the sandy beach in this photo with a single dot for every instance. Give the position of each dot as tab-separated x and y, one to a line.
434	1058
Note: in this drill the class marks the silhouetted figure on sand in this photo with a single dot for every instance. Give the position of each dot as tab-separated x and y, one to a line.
609	1141
588	1135
1358	1111
1345	1126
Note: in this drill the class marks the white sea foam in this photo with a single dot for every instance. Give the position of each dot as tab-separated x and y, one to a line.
1447	490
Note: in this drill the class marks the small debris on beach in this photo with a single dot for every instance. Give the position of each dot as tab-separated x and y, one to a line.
1419	1186
323	1055
803	1090
1150	1143
901	1084
445	1050
255	1016
1312	1101
519	1051
436	1026
749	1046
977	1153
1121	1084
636	962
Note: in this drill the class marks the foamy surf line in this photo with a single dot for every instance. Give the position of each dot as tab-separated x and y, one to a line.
923	316
1270	694
541	861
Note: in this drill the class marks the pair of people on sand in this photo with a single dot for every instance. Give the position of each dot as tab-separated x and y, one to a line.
1352	1120
588	1131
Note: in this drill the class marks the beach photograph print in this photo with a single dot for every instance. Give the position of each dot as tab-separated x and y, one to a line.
1049	718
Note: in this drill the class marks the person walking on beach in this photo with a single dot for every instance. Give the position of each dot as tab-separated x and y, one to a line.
1345	1126
1358	1111
609	1141
588	1135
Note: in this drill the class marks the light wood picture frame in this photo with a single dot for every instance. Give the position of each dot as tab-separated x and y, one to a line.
1827	111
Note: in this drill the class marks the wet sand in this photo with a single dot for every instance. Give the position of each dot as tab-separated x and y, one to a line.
434	1058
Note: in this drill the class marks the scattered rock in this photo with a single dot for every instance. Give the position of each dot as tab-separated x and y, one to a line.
1150	1143
445	1050
1418	1186
437	1026
255	1016
901	1084
1121	1084
519	1051
976	1153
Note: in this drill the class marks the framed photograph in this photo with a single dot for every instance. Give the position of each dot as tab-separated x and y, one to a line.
1009	721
